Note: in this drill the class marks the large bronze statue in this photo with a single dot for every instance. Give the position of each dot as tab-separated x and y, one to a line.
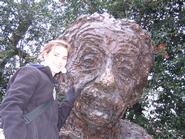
119	53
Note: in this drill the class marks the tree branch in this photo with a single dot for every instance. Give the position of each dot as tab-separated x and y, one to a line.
21	30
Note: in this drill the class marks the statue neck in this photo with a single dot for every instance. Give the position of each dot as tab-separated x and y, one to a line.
83	130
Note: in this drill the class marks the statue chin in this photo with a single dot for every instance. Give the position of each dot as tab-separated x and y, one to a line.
99	108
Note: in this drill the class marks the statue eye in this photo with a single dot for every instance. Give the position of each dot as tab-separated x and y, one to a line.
124	66
125	61
88	62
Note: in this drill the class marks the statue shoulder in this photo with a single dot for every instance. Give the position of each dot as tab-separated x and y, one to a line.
130	130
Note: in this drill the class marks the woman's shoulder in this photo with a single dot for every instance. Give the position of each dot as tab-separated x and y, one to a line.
23	74
41	69
27	69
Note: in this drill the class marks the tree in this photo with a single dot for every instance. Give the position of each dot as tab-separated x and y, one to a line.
165	20
24	26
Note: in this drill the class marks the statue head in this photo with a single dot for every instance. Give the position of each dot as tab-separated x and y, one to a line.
119	53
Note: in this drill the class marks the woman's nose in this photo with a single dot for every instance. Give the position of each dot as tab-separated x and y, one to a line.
62	61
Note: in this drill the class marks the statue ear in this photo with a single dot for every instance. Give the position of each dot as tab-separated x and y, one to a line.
136	95
145	62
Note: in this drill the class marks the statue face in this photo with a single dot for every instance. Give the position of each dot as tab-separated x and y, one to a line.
113	57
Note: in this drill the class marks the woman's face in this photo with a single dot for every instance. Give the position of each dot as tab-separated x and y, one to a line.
56	59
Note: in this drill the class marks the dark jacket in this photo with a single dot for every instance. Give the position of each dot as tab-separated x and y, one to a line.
29	87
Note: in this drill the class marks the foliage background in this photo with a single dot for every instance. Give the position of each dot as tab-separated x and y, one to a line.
25	25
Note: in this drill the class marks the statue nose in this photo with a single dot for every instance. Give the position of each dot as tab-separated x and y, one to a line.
106	79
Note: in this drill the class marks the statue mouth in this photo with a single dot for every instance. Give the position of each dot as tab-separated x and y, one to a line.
99	107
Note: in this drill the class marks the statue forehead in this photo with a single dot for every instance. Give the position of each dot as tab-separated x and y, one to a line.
101	29
105	33
106	36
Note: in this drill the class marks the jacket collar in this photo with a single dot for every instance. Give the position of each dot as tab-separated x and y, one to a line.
46	70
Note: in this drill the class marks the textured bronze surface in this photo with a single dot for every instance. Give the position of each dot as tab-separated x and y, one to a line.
119	52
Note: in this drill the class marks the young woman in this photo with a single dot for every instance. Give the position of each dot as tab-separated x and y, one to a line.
29	88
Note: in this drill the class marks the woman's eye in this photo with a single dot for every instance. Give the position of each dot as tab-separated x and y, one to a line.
56	54
64	58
